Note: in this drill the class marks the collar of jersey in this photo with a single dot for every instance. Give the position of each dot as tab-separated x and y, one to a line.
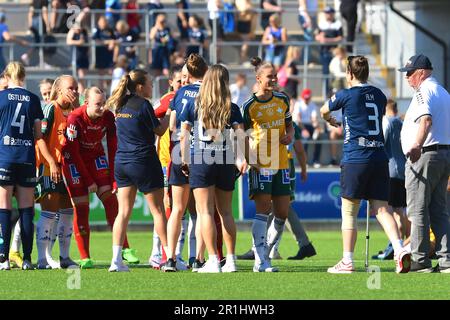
199	82
262	101
16	87
362	85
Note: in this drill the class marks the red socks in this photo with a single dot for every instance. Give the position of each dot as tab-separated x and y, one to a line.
81	228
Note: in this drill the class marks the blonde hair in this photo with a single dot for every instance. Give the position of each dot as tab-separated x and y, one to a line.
213	103
126	86
291	52
15	71
56	86
92	90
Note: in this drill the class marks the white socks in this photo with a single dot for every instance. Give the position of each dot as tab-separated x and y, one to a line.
117	255
348	257
259	237
181	238
156	249
274	233
16	240
191	232
397	245
65	230
43	228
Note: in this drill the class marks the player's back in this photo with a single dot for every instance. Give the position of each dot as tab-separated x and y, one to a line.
184	99
363	107
19	108
135	122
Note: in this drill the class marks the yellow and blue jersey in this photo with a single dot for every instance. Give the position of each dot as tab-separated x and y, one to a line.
268	121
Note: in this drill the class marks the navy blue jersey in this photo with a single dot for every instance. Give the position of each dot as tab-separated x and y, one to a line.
184	99
201	140
135	137
362	107
19	109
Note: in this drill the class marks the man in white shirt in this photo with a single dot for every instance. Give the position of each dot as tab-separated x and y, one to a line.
425	138
239	90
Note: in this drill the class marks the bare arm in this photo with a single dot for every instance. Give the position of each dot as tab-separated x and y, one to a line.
301	156
55	172
184	147
424	128
161	129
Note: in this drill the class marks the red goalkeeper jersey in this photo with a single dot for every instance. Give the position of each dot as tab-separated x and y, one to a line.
84	140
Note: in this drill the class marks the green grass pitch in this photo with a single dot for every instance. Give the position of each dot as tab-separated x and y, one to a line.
305	279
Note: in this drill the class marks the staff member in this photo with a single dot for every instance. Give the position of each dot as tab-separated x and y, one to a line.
425	140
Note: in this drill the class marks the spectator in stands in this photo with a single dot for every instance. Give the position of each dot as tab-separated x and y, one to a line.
183	18
97	5
119	71
59	17
6	36
214	8
104	37
112	12
288	78
133	18
338	67
274	36
307	17
125	44
197	37
239	90
161	39
38	13
78	38
272	7
330	32
306	116
246	18
349	11
154	5
227	17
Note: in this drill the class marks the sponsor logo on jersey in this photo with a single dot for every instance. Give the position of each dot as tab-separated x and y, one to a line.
10	141
272	124
124	115
71	132
269	111
44	125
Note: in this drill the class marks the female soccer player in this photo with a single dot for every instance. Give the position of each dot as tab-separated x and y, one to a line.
86	168
196	67
51	190
211	167
163	148
20	127
267	114
364	166
137	166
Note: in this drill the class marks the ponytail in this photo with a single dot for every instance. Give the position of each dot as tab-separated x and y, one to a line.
126	87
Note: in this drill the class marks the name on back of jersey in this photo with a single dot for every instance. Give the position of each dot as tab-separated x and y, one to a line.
18	97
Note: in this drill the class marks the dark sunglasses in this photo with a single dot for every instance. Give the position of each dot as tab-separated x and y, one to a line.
410	73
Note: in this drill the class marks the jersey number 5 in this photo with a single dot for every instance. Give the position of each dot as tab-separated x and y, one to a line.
21	123
373	118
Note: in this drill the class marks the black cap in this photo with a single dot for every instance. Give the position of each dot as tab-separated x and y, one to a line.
419	61
329	9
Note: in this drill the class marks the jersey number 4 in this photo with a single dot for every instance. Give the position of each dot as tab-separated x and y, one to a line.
373	118
15	123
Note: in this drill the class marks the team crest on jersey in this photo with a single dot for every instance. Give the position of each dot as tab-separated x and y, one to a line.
71	132
44	124
259	114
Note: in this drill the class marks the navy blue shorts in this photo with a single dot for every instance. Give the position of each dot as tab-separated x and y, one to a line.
365	181
147	177
397	193
222	176
21	174
176	176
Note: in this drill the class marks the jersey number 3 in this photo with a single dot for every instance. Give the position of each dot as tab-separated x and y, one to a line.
373	118
21	123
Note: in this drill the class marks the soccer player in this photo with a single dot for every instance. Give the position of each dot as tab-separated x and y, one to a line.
86	169
163	148
20	127
196	68
211	173
51	190
267	114
137	166
364	166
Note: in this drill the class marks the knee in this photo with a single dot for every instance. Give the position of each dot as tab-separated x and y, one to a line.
349	211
